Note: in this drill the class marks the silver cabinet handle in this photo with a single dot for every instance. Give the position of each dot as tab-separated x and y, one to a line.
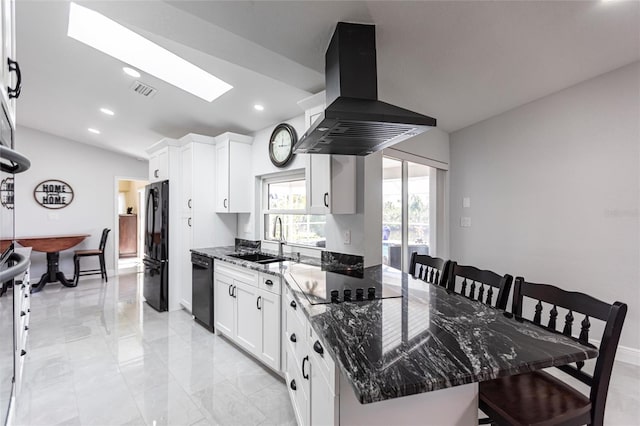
189	203
156	173
189	222
224	203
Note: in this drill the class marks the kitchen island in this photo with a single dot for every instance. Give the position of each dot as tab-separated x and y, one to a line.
416	358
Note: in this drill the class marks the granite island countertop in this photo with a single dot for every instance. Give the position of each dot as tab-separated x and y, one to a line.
426	340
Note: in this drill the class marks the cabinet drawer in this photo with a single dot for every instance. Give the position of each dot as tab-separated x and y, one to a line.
321	359
239	273
298	391
270	283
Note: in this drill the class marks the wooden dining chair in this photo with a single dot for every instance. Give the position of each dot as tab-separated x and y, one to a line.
99	252
540	398
480	284
429	269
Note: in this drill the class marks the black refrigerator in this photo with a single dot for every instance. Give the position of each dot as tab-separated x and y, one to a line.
156	246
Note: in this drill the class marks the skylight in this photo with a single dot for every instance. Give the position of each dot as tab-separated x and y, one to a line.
107	36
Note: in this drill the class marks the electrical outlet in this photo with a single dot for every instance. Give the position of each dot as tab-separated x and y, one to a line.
465	222
347	237
466	202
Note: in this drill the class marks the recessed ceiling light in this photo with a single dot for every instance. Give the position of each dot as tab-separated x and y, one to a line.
95	131
107	36
130	71
106	111
258	107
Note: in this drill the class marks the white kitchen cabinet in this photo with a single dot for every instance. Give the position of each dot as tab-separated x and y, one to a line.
8	79
247	313
271	331
323	401
248	317
224	304
159	165
200	225
331	184
233	182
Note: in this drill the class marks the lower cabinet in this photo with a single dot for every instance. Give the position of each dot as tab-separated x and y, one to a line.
248	313
224	304
310	372
248	317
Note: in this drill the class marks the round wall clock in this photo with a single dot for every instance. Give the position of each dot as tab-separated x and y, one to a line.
281	144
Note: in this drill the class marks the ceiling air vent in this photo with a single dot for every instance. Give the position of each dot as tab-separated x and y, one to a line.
143	89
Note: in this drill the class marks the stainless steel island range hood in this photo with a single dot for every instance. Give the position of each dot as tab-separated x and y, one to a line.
355	122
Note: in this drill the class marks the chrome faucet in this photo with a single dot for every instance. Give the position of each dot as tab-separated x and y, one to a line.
281	240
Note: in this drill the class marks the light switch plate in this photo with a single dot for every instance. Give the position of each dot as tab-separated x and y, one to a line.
347	237
465	222
466	202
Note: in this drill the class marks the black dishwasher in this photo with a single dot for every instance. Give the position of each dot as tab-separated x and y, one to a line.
202	290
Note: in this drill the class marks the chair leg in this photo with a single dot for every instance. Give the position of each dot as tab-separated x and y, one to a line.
103	268
76	269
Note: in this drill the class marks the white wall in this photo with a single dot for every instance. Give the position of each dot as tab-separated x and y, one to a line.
248	224
554	188
91	172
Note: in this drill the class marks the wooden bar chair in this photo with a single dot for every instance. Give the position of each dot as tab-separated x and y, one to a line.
429	269
99	252
480	284
540	398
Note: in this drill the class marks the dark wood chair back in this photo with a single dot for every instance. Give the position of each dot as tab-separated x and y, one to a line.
103	238
479	284
429	269
588	308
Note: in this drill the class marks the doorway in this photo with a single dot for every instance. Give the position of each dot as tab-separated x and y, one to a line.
130	222
408	211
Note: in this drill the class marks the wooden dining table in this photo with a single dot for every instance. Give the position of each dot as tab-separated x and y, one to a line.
52	245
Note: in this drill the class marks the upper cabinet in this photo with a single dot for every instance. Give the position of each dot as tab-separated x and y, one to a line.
164	160
331	184
159	165
234	186
9	69
331	179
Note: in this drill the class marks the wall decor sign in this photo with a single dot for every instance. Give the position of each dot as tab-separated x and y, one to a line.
6	193
53	194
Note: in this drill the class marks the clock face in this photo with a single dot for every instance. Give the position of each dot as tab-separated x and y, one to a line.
281	144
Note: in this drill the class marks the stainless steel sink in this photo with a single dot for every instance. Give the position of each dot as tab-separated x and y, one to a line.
258	257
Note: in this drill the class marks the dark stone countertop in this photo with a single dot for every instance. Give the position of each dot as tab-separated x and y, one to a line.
426	340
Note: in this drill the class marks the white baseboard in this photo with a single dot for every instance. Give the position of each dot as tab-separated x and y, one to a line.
186	305
628	355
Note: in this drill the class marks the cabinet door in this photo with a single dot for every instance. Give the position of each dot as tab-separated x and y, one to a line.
322	400
186	154
159	165
224	304
185	263
163	164
222	177
248	317
319	179
271	332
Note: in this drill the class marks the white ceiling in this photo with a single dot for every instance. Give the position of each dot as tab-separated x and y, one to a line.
460	62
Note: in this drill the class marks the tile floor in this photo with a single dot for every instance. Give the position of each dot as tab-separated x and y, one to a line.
98	355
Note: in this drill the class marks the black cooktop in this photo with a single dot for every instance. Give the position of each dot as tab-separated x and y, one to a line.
322	287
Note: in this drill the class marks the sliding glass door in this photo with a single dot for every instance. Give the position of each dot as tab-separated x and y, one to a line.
408	212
